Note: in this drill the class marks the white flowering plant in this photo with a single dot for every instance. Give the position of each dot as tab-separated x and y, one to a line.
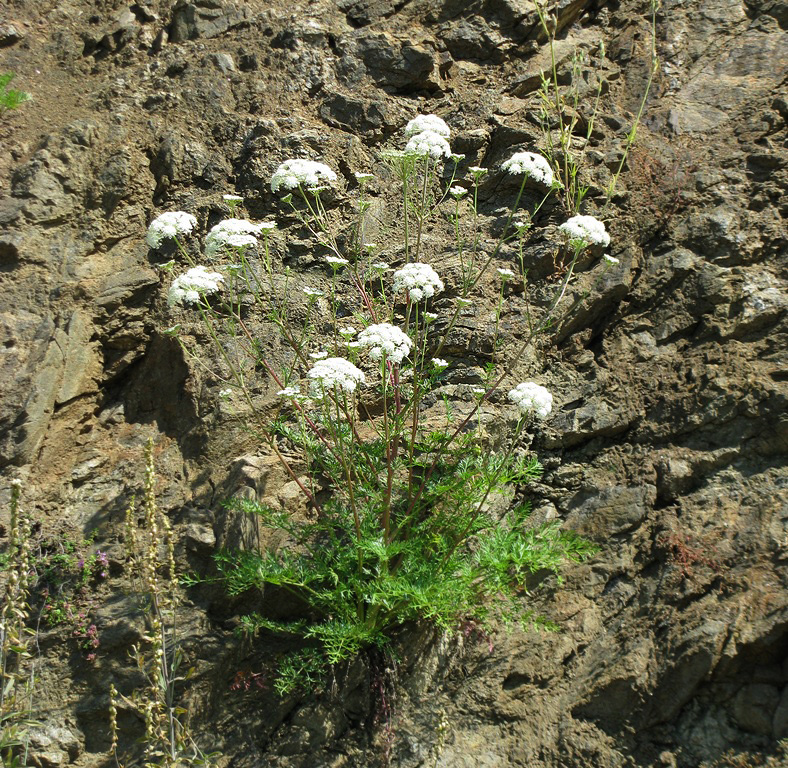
398	471
566	139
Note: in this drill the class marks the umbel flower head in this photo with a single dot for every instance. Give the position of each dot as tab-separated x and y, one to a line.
530	164
385	339
305	173
418	280
532	398
197	282
587	229
169	225
232	232
428	143
333	373
422	123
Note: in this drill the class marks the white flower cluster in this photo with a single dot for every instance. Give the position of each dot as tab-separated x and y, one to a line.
428	143
335	372
385	339
431	123
419	280
169	225
530	164
232	232
306	173
189	287
532	398
586	228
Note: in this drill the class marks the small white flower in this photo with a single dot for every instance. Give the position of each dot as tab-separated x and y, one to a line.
335	372
532	398
225	393
610	259
477	171
241	231
585	229
305	173
456	157
241	241
289	392
369	246
530	164
429	316
505	273
267	226
457	192
322	355
347	332
169	225
380	265
418	280
439	362
478	391
232	199
336	262
189	287
432	123
363	178
463	303
428	143
312	293
384	339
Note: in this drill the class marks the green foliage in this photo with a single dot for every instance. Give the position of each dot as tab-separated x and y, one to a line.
450	559
406	501
10	98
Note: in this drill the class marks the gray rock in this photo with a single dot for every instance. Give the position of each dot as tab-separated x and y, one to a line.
674	475
53	745
474	39
10	34
590	420
353	114
87	469
10	247
755	707
204	19
114	180
200	538
81	362
180	160
780	722
403	66
602	512
223	62
129	284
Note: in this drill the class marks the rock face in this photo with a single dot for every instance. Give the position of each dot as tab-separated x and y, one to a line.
668	441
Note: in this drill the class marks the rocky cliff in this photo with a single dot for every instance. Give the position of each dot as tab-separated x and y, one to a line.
667	446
